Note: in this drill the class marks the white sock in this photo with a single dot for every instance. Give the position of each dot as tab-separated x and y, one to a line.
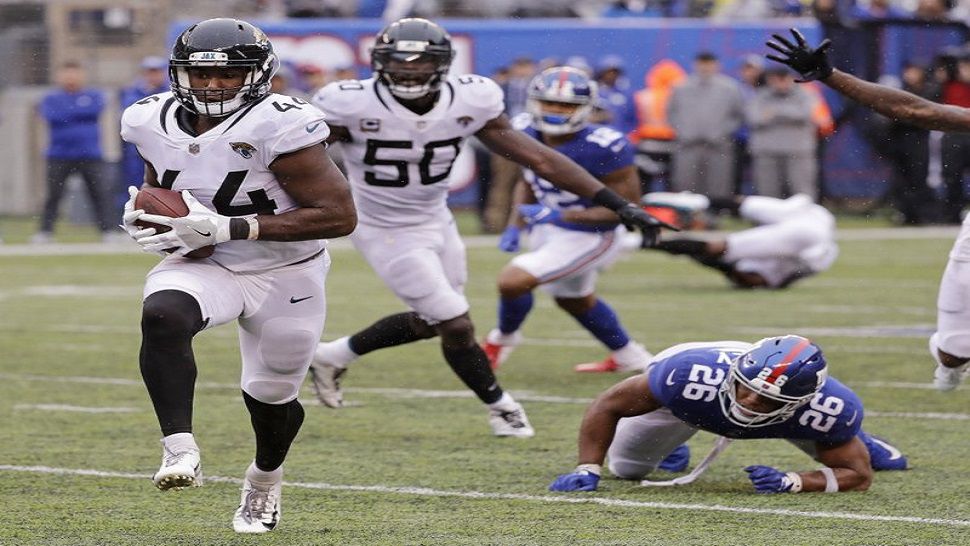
505	403
632	356
497	337
179	442
336	352
255	475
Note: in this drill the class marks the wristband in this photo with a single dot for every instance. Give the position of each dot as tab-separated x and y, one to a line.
610	199
591	468
253	228
796	482
831	483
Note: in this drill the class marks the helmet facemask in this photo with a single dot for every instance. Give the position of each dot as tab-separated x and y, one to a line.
410	75
561	85
785	383
220	102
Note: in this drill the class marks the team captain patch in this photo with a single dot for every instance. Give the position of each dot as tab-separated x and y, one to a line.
244	149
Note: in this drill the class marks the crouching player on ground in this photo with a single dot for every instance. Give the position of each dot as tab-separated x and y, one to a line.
776	388
794	238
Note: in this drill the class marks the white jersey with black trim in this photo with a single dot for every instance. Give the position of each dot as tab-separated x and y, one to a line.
227	167
398	162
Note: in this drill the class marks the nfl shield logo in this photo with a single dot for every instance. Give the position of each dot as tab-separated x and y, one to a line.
194	148
370	125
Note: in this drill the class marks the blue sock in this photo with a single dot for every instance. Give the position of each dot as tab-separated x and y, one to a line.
603	323
512	312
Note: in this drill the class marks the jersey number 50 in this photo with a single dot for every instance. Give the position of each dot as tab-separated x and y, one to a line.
424	167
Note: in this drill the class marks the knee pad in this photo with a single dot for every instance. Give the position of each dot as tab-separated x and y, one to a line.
285	349
629	470
171	313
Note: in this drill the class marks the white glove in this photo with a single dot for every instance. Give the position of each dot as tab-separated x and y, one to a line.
131	214
200	227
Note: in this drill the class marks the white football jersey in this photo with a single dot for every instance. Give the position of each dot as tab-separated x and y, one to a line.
398	162
227	167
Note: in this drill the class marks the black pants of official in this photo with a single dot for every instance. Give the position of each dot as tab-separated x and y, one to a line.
92	171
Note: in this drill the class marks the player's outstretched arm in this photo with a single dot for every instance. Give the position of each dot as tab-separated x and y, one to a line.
312	180
846	468
813	64
628	398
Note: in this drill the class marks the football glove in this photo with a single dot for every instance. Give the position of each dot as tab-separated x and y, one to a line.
812	64
634	217
768	480
538	214
510	239
580	480
131	215
200	227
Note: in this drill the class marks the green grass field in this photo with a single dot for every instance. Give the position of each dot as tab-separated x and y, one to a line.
412	460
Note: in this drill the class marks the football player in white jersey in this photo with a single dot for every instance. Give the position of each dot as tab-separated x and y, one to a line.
401	131
794	238
253	169
570	239
950	344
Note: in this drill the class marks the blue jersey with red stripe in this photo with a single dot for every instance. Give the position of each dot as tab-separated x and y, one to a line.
598	149
686	379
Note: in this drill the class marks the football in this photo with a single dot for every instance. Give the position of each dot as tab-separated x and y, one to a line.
169	203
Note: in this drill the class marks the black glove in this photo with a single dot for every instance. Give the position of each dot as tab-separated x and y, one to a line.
634	217
812	64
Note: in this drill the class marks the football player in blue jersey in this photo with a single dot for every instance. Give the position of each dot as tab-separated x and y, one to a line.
776	388
570	237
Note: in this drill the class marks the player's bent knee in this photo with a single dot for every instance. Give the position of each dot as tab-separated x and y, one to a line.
286	345
171	313
459	330
629	470
271	391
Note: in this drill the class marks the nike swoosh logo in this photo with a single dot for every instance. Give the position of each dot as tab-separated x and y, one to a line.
202	233
294	299
670	377
892	450
311	128
850	421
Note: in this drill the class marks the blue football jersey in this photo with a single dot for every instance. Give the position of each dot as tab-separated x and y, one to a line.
598	149
686	379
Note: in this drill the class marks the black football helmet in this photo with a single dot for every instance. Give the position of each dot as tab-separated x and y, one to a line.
403	45
222	43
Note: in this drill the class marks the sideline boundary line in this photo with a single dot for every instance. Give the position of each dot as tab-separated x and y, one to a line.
604	501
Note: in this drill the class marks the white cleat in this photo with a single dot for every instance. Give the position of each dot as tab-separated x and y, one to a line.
259	508
945	378
325	377
179	470
685	200
510	422
499	346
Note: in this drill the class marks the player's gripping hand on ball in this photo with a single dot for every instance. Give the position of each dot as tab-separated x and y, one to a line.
131	215
200	227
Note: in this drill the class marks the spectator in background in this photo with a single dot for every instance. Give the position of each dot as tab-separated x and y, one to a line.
654	136
752	78
283	82
516	87
783	137
616	94
956	145
152	79
705	111
933	10
72	113
633	8
910	155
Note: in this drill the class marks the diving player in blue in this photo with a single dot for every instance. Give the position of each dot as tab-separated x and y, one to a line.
570	237
776	388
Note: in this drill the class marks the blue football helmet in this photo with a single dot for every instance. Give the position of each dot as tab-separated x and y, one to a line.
561	84
788	370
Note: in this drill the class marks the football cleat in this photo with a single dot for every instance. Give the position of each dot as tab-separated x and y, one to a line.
259	507
945	378
606	365
510	422
325	378
882	454
677	460
179	470
499	346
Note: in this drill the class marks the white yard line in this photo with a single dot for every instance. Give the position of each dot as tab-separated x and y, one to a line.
525	396
482	495
77	409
